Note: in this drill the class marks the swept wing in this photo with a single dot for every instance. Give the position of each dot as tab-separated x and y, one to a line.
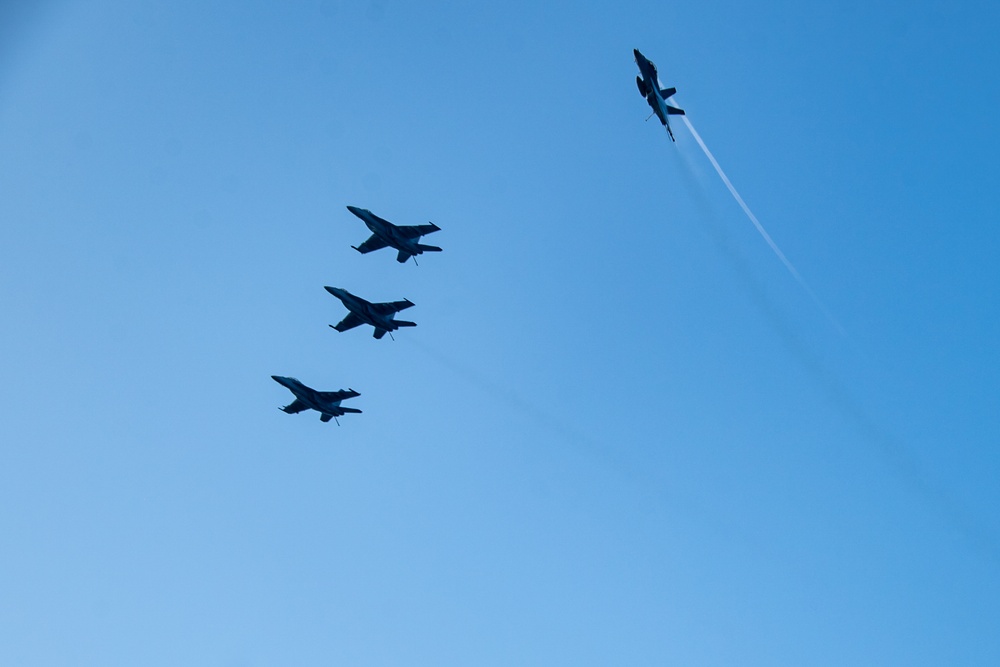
295	407
341	395
413	231
390	307
373	243
348	322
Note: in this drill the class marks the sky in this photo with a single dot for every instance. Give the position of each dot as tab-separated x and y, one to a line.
621	433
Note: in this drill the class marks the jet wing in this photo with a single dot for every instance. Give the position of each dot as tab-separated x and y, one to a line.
348	322
391	306
295	407
413	231
373	243
338	395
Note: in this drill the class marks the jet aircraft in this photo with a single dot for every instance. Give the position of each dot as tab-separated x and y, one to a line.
379	315
327	403
404	238
649	87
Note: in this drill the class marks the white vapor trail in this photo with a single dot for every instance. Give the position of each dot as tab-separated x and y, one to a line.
760	228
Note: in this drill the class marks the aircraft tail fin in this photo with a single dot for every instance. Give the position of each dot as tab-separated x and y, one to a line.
325	417
667	92
379	333
642	88
403	256
674	111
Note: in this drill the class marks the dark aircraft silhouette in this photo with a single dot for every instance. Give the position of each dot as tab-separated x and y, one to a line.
649	87
404	238
327	403
379	315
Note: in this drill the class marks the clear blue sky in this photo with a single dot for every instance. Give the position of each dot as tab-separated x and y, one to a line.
621	433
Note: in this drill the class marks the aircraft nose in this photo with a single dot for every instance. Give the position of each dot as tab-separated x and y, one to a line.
332	290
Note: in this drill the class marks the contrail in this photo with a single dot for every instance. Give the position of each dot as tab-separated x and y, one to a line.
760	228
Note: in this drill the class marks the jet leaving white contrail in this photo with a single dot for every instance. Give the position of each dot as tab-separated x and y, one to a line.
760	228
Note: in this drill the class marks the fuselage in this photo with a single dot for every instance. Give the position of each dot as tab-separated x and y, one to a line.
658	106
387	231
309	396
327	403
650	86
363	309
646	67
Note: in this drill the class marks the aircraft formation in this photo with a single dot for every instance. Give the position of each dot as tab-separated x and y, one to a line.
405	240
380	316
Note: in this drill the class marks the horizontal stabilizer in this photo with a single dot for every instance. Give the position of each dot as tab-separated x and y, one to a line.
325	417
428	248
674	111
354	410
667	92
403	256
379	333
403	323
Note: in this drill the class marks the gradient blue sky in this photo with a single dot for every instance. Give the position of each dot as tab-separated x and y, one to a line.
621	433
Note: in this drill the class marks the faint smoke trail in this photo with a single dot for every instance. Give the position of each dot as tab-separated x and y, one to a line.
760	228
502	394
897	454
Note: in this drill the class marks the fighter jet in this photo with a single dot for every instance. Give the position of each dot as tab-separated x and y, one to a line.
649	87
404	238
327	403
379	315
